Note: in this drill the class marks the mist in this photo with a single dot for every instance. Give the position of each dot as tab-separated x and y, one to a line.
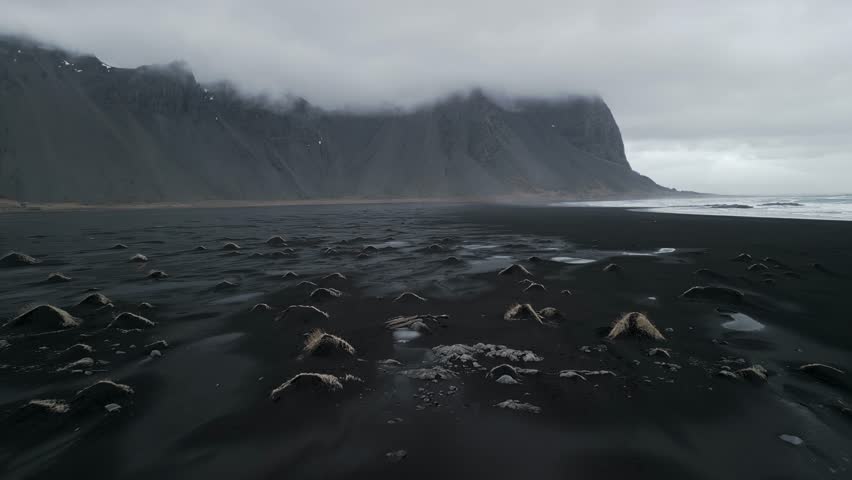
725	98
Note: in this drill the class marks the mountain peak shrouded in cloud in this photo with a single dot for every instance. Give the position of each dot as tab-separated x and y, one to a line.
700	90
74	128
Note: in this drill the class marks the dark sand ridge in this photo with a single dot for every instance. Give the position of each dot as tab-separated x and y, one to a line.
207	397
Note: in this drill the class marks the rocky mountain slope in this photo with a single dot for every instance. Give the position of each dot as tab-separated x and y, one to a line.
76	129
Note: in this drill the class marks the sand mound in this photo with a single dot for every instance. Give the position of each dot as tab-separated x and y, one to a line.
84	363
634	324
225	285
535	259
276	241
261	307
522	311
418	323
307	284
157	274
330	252
757	267
131	321
369	249
200	248
535	287
231	246
550	313
44	318
145	306
519	406
289	274
333	278
612	267
513	270
102	393
95	300
743	257
409	297
118	246
706	272
324	293
158	345
138	258
714	294
304	313
824	373
313	382
77	350
585	374
57	277
324	344
17	259
452	260
435	248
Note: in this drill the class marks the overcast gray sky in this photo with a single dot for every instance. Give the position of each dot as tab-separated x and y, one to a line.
727	96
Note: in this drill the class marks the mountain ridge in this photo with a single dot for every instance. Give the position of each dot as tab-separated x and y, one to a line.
73	129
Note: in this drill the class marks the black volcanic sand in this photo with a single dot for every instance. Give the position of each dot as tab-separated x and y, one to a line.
202	409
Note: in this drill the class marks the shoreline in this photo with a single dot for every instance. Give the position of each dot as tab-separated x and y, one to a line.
13	206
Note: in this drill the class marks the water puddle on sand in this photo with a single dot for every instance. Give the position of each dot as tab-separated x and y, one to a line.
405	335
741	322
572	260
659	251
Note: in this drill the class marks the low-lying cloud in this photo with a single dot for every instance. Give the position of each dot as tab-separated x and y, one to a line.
734	97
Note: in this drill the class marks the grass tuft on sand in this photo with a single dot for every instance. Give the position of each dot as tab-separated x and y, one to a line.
320	343
316	382
634	324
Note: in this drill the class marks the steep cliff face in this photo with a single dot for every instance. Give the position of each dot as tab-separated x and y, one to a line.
75	129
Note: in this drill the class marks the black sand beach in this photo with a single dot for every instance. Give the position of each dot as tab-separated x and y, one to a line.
723	396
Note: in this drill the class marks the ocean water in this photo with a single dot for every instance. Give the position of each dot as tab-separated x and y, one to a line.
826	207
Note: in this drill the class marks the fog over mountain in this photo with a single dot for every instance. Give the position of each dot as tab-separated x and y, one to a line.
727	97
73	128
